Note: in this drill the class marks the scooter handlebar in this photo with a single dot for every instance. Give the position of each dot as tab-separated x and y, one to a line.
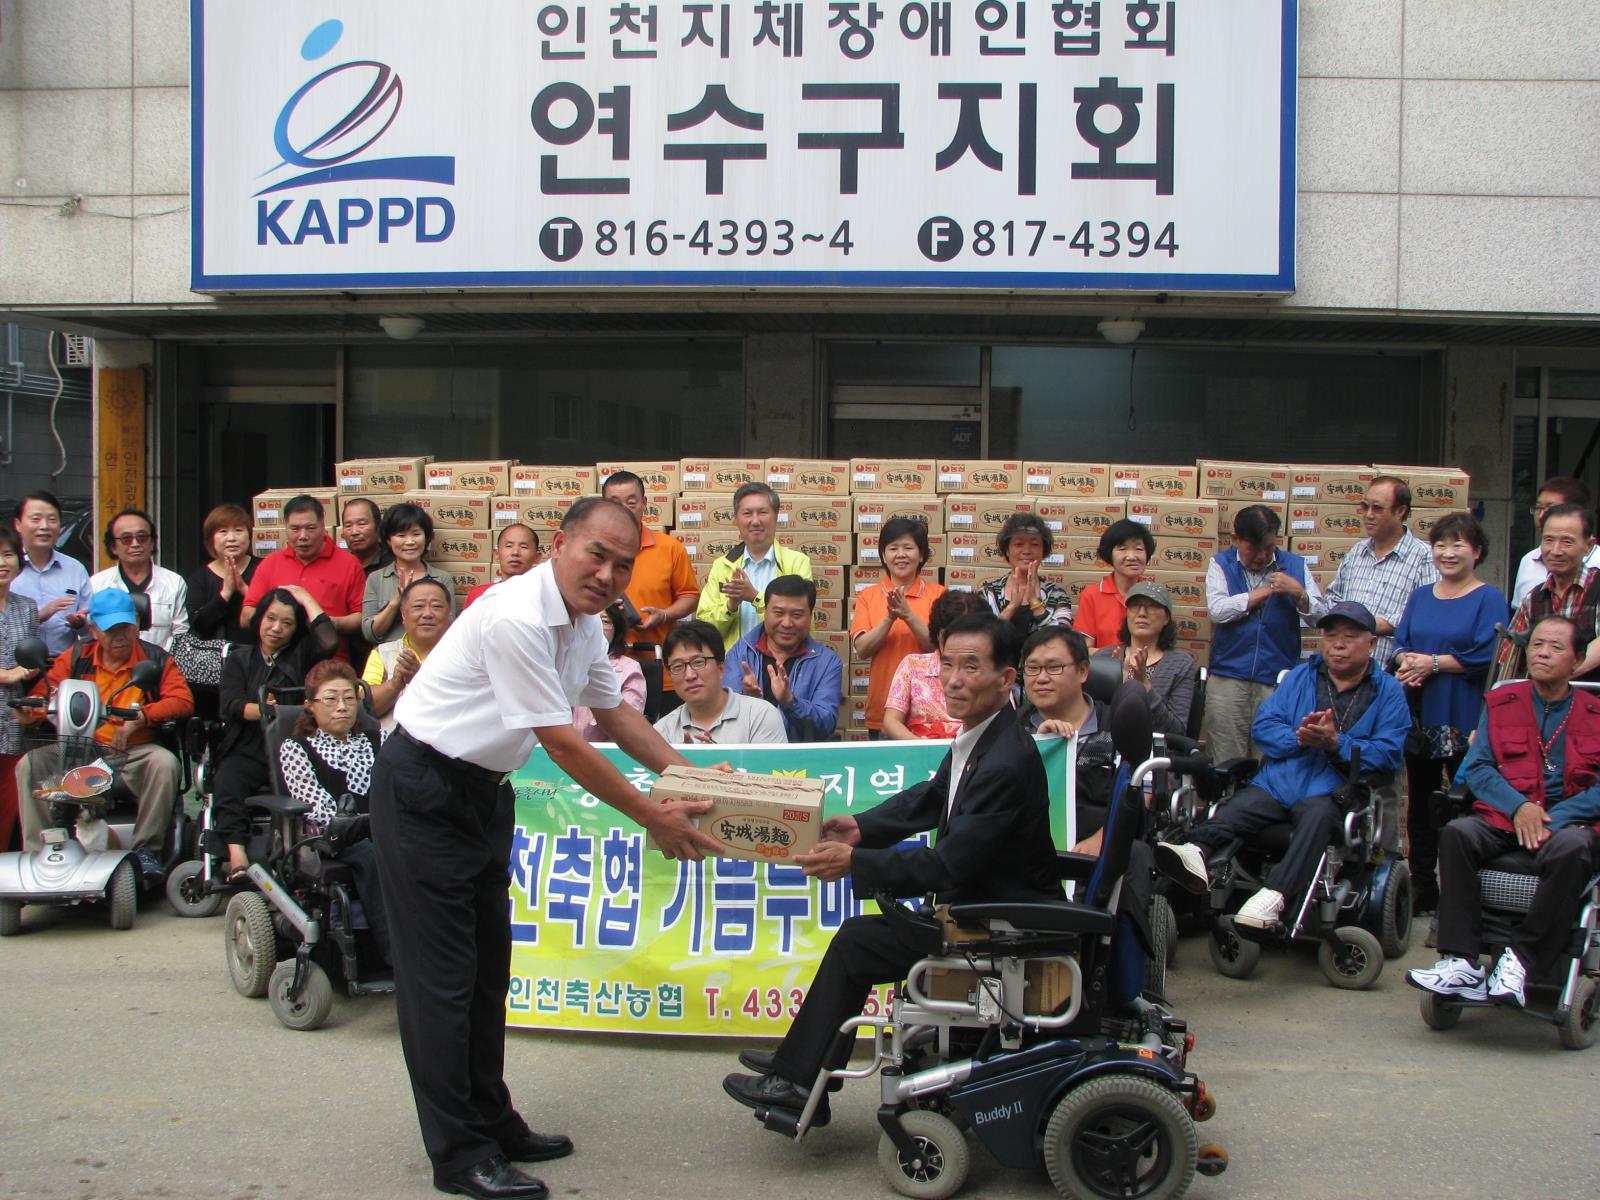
28	702
131	712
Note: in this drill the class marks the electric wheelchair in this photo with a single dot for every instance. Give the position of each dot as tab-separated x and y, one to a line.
304	921
1570	998
1097	1087
1357	909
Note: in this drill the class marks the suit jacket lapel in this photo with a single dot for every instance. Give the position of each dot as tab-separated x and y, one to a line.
1002	721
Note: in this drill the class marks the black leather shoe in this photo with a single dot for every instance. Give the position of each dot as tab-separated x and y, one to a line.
492	1178
761	1062
536	1147
773	1091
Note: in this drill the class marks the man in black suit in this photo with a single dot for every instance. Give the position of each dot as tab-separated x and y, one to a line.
989	802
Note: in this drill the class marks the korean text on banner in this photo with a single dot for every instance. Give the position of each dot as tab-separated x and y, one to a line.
609	936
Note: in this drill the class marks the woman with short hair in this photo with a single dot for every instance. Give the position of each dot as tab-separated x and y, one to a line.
326	758
1126	548
914	707
1023	596
407	532
891	617
1443	649
215	598
1150	658
630	675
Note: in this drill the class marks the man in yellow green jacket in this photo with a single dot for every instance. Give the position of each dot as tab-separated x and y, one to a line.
732	600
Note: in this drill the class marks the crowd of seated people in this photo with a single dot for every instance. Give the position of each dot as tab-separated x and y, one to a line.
740	661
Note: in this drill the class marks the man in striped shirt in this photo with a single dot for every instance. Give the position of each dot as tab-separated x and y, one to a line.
1383	570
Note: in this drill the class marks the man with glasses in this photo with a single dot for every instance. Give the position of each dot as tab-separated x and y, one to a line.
130	540
711	713
333	576
1382	570
1571	589
989	803
57	583
1531	571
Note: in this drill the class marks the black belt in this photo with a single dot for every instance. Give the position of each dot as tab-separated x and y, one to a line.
470	769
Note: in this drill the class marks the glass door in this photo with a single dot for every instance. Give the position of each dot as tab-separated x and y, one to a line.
1555	431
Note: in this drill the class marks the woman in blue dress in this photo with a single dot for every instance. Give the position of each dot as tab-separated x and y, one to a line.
1443	648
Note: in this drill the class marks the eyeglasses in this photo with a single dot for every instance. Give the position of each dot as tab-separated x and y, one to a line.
1375	509
683	665
132	539
1032	670
336	701
1539	510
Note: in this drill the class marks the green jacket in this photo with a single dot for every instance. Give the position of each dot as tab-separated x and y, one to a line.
713	607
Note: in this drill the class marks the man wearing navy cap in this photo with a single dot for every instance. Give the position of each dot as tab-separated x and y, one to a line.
150	771
1324	709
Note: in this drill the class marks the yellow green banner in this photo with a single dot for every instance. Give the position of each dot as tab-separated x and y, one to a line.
607	935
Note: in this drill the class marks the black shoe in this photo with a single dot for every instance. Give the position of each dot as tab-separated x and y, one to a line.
761	1062
536	1147
492	1178
773	1091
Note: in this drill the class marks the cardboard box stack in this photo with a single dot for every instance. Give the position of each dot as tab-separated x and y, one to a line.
835	509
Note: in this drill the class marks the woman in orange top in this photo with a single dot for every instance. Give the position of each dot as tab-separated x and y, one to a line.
1126	547
891	617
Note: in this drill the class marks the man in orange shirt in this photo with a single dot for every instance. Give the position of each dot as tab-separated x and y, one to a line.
664	589
151	771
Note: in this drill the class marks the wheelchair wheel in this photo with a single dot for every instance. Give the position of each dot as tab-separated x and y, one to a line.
1163	931
1231	954
942	1162
1581	1026
311	1010
1360	964
1394	923
252	944
186	891
10	918
1438	1013
1120	1135
122	895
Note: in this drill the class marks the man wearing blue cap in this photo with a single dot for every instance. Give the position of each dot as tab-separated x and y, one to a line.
151	771
1324	709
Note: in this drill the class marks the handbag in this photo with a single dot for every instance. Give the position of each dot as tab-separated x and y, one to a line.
199	659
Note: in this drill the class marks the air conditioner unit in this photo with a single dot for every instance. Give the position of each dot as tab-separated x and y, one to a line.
76	350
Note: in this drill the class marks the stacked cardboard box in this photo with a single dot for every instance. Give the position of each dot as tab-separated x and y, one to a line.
834	510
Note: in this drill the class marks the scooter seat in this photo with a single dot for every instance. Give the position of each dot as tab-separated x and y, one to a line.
1513	862
1061	917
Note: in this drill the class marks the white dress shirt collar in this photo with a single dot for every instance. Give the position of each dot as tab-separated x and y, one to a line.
960	752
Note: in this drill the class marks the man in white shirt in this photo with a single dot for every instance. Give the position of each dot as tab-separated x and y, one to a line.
503	679
989	801
1531	571
131	540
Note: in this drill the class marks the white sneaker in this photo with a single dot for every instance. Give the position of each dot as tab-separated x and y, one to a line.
1451	977
1184	864
1509	979
1261	911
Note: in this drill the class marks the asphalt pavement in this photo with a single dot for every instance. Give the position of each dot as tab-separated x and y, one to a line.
135	1070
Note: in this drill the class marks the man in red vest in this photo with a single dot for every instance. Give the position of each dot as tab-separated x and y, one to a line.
1532	771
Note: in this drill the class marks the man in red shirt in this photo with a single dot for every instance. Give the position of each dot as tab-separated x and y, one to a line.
663	589
150	770
333	576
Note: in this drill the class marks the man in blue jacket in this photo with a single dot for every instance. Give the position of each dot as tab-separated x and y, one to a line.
1307	730
780	663
1258	595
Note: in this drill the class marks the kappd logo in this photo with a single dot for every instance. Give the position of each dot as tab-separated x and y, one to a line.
324	130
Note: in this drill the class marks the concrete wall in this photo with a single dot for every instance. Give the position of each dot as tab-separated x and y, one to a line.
1449	155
